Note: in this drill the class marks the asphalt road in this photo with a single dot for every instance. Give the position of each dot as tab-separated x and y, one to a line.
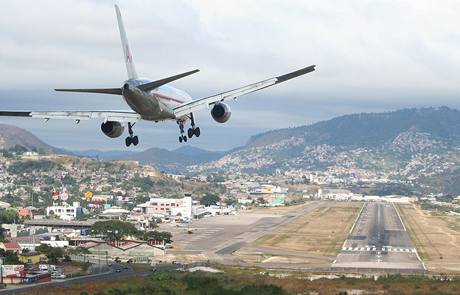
379	240
113	274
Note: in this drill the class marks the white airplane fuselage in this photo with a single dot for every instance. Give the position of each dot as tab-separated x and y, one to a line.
154	105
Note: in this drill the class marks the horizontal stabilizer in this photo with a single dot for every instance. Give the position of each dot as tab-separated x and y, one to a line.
155	84
116	91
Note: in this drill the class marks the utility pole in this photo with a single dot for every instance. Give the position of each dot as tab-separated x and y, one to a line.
1	271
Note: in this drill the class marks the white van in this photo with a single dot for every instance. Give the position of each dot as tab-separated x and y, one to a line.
43	267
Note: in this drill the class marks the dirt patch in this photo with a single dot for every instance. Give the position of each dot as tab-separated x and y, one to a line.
321	231
437	238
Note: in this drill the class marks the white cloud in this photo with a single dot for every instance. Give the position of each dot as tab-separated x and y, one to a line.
370	55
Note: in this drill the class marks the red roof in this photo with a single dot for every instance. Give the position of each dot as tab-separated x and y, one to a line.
24	212
12	246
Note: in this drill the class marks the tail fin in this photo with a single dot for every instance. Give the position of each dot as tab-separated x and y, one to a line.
132	74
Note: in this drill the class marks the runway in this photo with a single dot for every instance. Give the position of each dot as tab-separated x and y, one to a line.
223	235
379	240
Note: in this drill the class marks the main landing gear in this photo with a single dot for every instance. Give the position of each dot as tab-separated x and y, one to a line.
190	132
182	137
131	139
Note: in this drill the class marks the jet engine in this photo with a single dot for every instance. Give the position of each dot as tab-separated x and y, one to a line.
112	129
221	112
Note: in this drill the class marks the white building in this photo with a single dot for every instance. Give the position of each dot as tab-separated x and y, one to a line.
65	211
336	194
168	207
4	205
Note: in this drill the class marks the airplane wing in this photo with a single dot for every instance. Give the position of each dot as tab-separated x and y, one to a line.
120	116
204	103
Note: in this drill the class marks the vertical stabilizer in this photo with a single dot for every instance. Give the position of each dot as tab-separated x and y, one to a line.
132	74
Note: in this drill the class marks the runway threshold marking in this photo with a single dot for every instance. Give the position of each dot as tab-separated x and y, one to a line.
373	249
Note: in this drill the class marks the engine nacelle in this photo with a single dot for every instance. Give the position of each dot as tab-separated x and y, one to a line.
221	112
112	129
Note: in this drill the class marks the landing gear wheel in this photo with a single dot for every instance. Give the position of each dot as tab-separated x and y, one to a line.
190	132
197	131
184	138
128	141
135	140
131	139
180	139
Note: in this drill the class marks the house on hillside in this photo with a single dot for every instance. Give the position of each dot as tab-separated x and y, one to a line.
32	257
10	246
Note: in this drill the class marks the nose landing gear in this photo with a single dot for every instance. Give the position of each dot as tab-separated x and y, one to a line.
131	139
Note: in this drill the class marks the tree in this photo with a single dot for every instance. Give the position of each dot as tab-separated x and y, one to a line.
113	229
18	149
209	199
9	257
53	254
231	201
9	216
156	236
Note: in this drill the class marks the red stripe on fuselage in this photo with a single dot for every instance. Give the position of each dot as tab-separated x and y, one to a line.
166	97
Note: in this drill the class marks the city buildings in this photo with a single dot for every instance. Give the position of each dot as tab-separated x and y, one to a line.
65	211
162	207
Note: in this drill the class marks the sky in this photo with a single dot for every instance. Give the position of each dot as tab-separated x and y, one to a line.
371	56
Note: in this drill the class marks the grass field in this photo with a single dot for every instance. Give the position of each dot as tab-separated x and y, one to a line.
321	231
437	238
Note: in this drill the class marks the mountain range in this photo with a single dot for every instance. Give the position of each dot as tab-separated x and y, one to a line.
371	129
10	136
417	144
166	160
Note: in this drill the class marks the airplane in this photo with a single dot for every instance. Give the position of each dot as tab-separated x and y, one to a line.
155	100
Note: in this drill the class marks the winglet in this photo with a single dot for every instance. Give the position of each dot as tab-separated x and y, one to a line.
294	74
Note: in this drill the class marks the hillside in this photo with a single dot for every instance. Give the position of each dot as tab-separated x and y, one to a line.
371	129
163	159
11	136
421	145
166	160
175	160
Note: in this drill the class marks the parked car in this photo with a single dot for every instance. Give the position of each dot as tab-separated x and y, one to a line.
58	276
43	267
